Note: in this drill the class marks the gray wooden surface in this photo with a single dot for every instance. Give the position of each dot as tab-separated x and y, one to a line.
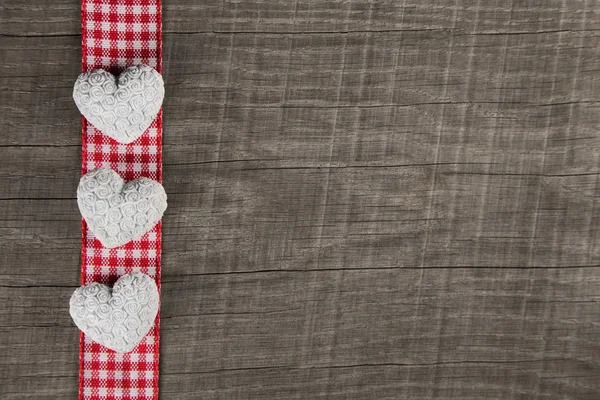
367	199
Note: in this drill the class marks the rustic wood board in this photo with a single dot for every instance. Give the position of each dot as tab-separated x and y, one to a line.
367	200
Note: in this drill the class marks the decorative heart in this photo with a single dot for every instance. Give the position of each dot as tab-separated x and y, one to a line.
121	108
116	212
117	318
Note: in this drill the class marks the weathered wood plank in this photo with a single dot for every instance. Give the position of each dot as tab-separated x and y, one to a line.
366	200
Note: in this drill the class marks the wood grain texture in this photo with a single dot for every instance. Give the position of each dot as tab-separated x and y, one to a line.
367	200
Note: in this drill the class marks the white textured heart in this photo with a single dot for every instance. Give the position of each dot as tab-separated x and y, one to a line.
121	108
117	318
116	212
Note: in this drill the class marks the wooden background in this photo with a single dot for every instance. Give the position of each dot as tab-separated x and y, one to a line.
367	199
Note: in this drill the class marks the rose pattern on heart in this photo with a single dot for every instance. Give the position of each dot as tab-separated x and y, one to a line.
124	107
116	212
117	318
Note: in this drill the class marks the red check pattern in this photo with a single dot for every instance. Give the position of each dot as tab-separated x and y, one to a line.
117	34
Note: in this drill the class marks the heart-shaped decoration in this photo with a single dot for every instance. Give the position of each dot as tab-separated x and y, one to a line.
121	108
116	212
117	318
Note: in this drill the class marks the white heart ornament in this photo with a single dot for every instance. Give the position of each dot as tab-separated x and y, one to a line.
117	318
116	212
124	107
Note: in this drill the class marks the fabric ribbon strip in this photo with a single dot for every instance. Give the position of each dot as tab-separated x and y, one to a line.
117	34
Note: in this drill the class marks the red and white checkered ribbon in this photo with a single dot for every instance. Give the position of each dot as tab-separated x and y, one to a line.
117	34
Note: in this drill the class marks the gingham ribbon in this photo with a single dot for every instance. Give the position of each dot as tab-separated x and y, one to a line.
117	34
